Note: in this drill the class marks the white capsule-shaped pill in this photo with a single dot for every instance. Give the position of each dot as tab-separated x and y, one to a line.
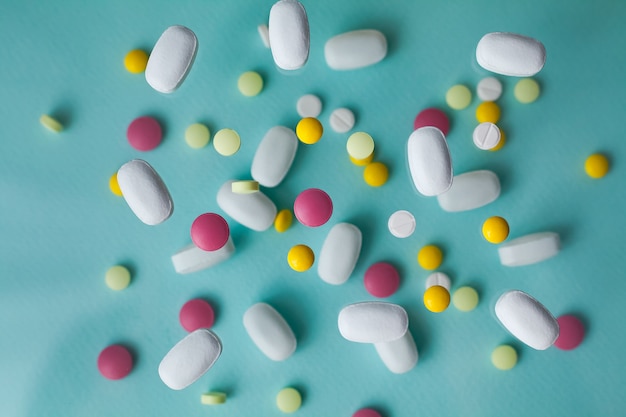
269	331
400	355
429	159
373	322
145	192
253	210
356	49
486	136
529	249
274	156
192	259
527	319
190	358
470	190
171	59
289	34
510	54
339	254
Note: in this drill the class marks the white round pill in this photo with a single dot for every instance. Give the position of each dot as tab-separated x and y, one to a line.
264	33
401	224
309	105
486	136
342	120
438	278
489	89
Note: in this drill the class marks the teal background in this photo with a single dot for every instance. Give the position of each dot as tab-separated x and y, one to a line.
61	228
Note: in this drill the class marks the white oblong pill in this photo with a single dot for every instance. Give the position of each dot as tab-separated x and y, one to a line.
438	278
373	322
401	224
342	120
145	192
486	136
529	249
356	49
339	254
192	259
489	89
510	54
429	161
527	319
274	156
190	358
470	190
254	210
289	34
171	59
269	331
400	355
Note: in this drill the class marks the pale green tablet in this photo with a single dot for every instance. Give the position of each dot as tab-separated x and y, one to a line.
250	83
288	400
197	135
226	142
459	97
526	90
360	145
504	357
117	277
51	123
213	398
465	299
245	186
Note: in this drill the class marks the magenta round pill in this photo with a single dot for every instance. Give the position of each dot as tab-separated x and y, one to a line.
381	279
210	231
144	133
571	332
366	412
115	362
313	207
196	314
432	117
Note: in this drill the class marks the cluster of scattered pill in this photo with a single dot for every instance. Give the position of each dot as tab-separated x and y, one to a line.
382	324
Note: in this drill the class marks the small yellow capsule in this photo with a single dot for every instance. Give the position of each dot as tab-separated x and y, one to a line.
309	130
300	258
376	174
597	165
495	229
136	61
114	186
436	298
430	257
283	220
488	111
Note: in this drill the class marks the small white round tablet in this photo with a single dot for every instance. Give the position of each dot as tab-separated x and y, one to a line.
438	278
489	89
486	136
342	120
401	224
309	105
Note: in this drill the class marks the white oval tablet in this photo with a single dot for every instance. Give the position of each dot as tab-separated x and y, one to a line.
269	331
400	355
527	319
356	49
373	322
309	105
145	192
289	34
510	54
438	278
171	59
254	210
470	190
192	259
274	156
489	89
429	161
529	249
190	358
486	136
401	224
339	253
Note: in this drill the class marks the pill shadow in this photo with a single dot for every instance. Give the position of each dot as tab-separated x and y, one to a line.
418	330
365	221
132	268
63	113
291	309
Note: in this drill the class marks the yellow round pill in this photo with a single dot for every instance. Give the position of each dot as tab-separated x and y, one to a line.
360	145
288	400
526	90
597	165
488	111
430	257
136	61
226	142
51	123
117	277
213	398
300	258
114	186
362	162
436	298
465	299
283	220
250	83
197	135
501	143
504	357
495	229
458	97
376	174
244	187
309	130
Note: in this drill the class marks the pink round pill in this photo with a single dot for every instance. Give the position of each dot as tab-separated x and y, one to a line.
366	412
144	133
381	279
571	332
432	117
210	231
196	314
313	207
115	362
